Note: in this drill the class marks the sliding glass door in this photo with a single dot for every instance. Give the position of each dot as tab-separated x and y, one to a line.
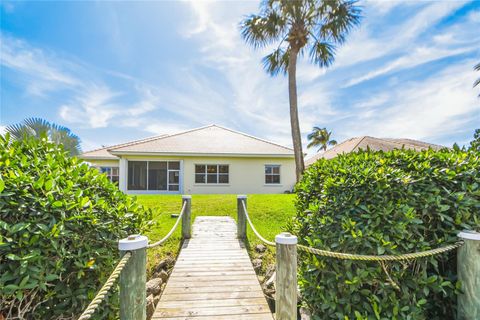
154	175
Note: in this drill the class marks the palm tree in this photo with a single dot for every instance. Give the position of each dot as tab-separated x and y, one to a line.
477	82
313	26
38	128
320	137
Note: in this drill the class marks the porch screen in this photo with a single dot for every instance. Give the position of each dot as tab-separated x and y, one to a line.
153	175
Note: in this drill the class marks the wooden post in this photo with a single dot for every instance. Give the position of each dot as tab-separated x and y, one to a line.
468	266
133	278
241	220
187	217
286	277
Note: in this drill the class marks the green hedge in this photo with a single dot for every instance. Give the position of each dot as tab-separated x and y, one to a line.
385	203
59	225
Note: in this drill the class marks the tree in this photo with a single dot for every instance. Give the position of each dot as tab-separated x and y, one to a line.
320	137
477	82
313	26
475	143
38	128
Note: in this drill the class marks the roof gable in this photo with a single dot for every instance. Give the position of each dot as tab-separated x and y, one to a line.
210	140
206	140
375	144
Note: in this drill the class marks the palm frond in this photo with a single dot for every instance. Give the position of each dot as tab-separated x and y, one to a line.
322	53
477	67
40	127
262	30
339	18
19	131
276	62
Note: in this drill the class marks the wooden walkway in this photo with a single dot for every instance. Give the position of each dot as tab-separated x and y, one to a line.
213	277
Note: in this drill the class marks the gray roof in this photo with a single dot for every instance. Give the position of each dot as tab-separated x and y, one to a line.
376	144
104	154
210	140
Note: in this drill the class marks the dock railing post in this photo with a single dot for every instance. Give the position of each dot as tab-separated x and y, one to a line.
133	278
241	219
468	266
286	277
187	217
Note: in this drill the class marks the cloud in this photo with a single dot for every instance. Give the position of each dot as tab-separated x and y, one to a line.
40	73
425	110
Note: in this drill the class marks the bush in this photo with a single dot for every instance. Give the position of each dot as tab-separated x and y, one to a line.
385	203
60	222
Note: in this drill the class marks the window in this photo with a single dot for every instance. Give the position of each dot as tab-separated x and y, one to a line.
211	173
272	174
154	175
111	172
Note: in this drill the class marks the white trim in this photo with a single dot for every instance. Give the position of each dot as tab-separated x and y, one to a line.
286	238
133	242
469	235
206	154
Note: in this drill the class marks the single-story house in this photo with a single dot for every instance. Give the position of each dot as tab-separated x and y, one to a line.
205	160
375	144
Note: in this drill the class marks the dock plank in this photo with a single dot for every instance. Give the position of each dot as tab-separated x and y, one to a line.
213	277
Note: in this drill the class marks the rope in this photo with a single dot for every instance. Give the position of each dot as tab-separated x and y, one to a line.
269	243
106	287
361	257
161	241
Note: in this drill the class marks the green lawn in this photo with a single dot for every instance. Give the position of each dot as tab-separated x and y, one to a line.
269	213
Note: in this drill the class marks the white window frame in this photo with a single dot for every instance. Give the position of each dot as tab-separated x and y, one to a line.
148	191
109	173
279	174
205	174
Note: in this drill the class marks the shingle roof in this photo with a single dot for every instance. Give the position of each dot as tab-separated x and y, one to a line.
104	154
208	140
376	144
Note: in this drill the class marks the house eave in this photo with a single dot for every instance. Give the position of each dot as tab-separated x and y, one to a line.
197	154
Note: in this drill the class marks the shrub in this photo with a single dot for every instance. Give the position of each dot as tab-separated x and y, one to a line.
385	203
60	221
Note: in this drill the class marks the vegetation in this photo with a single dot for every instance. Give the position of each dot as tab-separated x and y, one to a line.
385	203
270	214
60	222
475	143
320	137
38	128
312	26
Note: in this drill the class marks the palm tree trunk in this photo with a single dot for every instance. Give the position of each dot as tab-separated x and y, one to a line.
295	126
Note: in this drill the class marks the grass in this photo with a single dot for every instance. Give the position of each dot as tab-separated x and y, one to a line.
269	213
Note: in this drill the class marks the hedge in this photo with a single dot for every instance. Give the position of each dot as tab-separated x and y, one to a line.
59	225
385	203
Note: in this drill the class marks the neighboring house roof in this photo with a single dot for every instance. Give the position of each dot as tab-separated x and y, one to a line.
210	140
376	144
104	154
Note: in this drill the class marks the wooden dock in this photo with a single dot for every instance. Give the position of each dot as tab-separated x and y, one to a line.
213	277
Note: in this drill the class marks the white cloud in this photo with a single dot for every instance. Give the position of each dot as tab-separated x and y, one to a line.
427	109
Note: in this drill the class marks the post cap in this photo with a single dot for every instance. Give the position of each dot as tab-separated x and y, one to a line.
469	235
286	238
186	196
133	242
242	196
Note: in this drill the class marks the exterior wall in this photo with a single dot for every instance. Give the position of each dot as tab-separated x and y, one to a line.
246	174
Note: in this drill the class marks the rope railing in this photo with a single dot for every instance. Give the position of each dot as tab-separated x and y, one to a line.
357	257
161	241
259	236
102	293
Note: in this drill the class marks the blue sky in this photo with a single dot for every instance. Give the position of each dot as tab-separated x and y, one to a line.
117	71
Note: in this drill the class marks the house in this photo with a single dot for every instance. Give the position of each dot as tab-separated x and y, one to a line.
205	160
376	144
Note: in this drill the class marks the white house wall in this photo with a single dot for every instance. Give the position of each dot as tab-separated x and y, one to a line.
246	174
